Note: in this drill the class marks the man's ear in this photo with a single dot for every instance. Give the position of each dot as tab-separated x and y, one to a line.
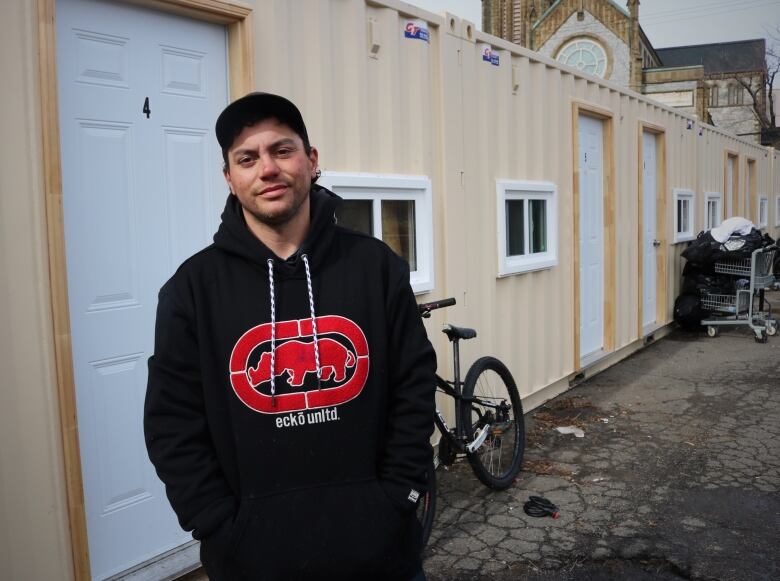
313	159
226	175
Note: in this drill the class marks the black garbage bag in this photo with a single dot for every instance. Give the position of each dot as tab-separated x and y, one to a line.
687	311
742	246
696	281
703	251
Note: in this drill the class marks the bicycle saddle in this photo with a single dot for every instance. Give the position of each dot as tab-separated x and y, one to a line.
454	333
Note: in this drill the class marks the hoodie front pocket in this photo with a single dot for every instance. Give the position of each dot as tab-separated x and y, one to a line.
342	531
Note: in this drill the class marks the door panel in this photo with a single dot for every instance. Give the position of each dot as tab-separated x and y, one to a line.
591	134
650	228
141	192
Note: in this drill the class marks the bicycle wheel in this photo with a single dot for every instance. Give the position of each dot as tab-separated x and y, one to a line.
492	413
426	507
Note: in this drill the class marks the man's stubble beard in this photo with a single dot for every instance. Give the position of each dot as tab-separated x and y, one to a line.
278	219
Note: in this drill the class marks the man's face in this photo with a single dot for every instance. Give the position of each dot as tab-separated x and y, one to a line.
270	173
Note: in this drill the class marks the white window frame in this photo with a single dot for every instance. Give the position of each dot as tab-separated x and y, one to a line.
378	187
711	197
686	234
763	202
526	190
777	210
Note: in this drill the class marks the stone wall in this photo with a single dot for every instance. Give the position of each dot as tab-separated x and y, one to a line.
618	53
736	120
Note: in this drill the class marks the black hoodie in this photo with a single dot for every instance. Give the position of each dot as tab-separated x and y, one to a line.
318	479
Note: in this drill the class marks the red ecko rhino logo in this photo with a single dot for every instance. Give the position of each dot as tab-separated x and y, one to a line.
295	357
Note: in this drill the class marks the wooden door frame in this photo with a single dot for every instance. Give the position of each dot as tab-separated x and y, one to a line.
238	20
608	151
660	222
751	193
730	153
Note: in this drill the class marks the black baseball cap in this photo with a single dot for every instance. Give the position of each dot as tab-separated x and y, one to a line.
253	108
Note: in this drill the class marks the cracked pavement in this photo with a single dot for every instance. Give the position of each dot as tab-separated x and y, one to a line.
677	477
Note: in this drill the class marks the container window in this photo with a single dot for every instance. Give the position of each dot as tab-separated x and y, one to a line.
712	210
394	208
683	215
763	212
527	215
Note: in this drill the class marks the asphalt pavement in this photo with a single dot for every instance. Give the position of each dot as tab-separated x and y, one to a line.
677	475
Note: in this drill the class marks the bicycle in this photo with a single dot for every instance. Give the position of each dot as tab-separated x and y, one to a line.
489	425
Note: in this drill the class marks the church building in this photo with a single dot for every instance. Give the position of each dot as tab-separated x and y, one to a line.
605	39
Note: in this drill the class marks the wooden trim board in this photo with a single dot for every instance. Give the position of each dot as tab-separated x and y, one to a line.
751	193
237	18
728	153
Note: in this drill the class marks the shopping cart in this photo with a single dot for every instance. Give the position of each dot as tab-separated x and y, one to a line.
747	305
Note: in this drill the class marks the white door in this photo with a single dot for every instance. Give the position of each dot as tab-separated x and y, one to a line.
730	187
139	93
649	228
591	134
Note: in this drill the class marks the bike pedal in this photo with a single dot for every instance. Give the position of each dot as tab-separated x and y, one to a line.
479	440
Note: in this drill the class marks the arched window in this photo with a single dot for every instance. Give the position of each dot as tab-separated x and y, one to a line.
584	54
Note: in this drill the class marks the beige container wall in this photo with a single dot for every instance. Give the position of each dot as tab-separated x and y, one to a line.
34	536
526	133
418	108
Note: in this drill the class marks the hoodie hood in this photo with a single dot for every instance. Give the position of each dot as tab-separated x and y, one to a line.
235	237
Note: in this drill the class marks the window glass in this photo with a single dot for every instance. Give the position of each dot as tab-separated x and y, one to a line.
585	55
356	215
398	228
777	211
712	213
538	225
515	227
714	96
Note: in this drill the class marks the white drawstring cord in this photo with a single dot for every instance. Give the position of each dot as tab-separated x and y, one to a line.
270	263
313	319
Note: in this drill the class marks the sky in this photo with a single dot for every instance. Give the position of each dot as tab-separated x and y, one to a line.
671	22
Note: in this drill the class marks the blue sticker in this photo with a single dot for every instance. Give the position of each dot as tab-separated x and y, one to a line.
488	55
417	29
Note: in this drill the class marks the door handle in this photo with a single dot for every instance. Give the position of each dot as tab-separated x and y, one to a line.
656	243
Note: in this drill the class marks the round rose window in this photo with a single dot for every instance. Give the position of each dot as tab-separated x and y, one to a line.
585	55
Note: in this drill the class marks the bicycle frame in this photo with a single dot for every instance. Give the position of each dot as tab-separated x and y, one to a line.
461	441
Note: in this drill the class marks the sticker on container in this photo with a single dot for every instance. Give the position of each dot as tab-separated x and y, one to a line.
417	29
488	54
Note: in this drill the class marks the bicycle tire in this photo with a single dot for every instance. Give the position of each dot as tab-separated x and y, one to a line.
426	507
492	405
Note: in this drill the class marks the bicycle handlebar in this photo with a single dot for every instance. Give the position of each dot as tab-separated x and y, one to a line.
426	308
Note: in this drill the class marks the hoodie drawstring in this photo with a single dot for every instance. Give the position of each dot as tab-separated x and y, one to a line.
313	319
270	263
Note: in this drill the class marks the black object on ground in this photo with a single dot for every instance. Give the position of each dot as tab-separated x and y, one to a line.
539	507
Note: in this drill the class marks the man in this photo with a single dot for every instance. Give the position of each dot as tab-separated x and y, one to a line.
291	391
